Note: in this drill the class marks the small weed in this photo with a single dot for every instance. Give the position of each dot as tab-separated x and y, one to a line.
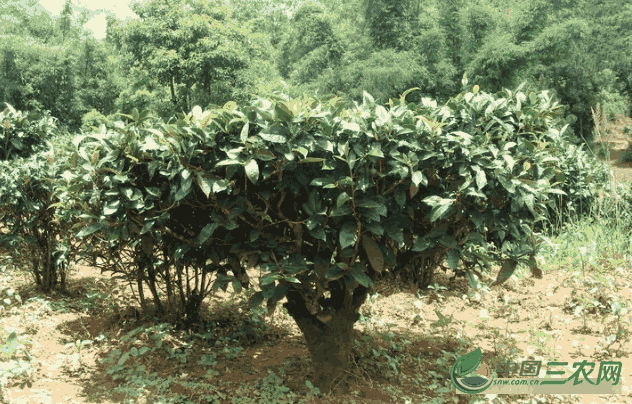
13	365
621	335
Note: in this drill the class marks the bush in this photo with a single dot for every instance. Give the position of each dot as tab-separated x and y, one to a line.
93	120
613	103
584	174
139	99
23	133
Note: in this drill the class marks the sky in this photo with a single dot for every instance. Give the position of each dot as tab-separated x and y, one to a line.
98	10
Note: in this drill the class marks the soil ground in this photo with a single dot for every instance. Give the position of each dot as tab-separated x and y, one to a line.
403	355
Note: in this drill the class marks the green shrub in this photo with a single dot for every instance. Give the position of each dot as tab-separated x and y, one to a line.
93	120
23	133
139	99
584	174
613	103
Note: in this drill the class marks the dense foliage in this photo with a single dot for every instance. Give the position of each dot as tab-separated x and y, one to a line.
321	198
30	230
202	53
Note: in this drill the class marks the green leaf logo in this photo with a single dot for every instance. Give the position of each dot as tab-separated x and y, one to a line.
468	363
462	368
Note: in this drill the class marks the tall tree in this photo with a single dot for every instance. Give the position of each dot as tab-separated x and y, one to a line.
310	46
10	80
65	20
26	18
611	22
450	21
390	22
190	46
99	79
561	60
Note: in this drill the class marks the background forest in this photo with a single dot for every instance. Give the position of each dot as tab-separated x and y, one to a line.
185	53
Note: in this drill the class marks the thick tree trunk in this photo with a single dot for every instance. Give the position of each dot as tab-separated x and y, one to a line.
329	343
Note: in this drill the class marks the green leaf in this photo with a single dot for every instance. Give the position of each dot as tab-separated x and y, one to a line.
506	183
270	279
256	300
376	150
273	138
283	113
448	241
344	148
342	199
243	136
86	231
318	233
228	162
419	178
180	195
476	237
533	97
111	208
319	182
453	258
132	194
362	278
421	245
204	183
334	273
252	171
148	225
481	179
382	116
400	198
347	235
440	211
263	155
375	228
443	321
341	211
350	126
367	99
510	161
206	232
236	286
370	214
402	98
395	232
467	363
302	151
